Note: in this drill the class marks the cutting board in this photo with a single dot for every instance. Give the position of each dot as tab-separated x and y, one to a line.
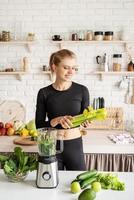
114	120
25	141
11	110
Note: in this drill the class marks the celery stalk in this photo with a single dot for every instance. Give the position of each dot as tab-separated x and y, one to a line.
89	114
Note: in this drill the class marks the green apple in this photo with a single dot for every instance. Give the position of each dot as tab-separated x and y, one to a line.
31	125
75	187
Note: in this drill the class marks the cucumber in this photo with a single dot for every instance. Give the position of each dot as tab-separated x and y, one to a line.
75	180
87	174
85	183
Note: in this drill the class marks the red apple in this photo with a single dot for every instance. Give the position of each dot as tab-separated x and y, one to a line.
3	131
8	125
1	125
10	131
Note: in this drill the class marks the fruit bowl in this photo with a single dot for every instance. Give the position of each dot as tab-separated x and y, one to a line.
18	177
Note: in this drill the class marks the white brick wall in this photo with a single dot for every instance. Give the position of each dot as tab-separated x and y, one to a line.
46	18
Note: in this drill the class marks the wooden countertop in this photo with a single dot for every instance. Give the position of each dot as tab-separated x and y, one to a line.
95	141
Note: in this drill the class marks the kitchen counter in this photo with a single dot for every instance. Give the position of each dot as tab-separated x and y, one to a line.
27	189
100	152
96	141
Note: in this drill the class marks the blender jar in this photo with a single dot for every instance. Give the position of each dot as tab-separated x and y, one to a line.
48	142
117	62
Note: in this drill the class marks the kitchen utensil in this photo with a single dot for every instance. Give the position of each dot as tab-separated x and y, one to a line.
123	84
47	173
94	103
128	95
99	102
56	38
102	102
106	63
132	98
103	62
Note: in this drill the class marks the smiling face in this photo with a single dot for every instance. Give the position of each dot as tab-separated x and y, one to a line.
65	69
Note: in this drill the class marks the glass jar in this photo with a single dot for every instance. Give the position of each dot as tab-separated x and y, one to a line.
89	35
108	35
31	37
130	66
98	35
81	35
117	62
74	36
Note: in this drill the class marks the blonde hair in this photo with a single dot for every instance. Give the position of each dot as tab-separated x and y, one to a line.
58	56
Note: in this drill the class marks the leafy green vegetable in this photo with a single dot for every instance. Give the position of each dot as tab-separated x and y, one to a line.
110	181
18	162
47	145
90	115
3	158
107	180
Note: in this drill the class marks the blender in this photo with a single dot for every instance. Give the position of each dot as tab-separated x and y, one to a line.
49	144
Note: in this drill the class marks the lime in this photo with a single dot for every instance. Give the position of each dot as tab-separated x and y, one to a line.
87	194
75	187
96	186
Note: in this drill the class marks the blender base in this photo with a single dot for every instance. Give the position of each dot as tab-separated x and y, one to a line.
47	173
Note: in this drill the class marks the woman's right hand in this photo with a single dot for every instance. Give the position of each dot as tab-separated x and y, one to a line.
64	121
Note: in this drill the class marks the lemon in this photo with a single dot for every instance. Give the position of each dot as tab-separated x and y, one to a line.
87	194
96	186
24	132
33	133
75	187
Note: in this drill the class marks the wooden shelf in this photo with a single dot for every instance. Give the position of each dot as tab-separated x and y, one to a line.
49	73
111	73
28	44
92	42
18	74
114	73
46	72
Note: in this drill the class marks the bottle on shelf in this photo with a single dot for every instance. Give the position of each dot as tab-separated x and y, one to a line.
89	35
24	64
130	66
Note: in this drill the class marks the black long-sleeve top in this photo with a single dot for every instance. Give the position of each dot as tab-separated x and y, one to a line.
53	103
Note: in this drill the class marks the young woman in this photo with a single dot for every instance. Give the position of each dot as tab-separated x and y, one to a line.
61	101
